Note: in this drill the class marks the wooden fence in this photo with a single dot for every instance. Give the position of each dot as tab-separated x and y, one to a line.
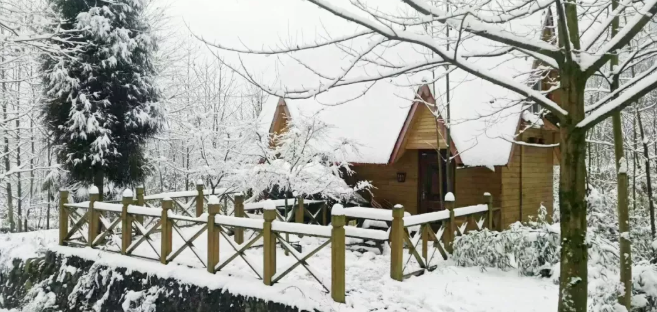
135	223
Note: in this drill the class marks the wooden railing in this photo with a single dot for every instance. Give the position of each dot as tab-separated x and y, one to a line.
409	231
96	224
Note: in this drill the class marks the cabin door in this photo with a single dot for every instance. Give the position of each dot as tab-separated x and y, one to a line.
429	195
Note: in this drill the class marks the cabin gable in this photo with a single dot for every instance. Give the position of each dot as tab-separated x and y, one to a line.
281	117
423	132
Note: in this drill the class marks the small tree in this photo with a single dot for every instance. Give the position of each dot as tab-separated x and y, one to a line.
101	102
303	160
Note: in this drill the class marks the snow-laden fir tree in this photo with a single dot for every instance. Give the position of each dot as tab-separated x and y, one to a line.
101	102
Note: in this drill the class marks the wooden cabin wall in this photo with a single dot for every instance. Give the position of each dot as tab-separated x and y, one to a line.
471	184
422	132
384	178
531	186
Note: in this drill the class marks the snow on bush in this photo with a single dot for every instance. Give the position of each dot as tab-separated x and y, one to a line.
482	248
528	247
644	286
533	248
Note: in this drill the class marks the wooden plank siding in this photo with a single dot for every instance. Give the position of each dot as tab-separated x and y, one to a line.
471	184
388	191
422	134
533	185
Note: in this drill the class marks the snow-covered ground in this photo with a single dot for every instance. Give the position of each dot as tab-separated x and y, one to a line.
369	287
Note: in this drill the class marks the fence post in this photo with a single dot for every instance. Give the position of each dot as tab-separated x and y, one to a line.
167	227
425	241
337	254
199	198
94	219
140	202
300	213
239	213
269	242
63	217
397	243
450	227
324	208
488	200
213	233
126	221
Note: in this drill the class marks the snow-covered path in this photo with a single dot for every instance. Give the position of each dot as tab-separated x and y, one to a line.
369	287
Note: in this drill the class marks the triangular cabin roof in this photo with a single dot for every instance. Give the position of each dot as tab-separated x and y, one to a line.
382	124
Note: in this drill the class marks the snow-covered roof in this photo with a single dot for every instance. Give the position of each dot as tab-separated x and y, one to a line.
372	121
484	117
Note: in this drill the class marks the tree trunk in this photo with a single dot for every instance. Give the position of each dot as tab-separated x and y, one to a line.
32	153
634	164
572	191
646	155
622	186
99	179
623	214
10	206
19	190
49	186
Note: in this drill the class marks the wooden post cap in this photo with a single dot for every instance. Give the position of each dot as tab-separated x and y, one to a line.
337	210
127	193
213	205
269	209
338	220
126	200
167	203
398	211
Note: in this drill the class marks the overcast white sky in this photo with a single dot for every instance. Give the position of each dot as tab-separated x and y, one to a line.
252	21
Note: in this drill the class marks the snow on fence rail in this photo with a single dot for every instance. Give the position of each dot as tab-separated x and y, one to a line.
424	226
133	225
193	203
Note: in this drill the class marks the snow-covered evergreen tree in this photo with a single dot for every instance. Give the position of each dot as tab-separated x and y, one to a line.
101	102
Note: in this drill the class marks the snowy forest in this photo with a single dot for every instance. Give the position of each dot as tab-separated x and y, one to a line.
116	94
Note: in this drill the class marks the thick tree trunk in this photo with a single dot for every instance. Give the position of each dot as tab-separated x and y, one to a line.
572	205
572	192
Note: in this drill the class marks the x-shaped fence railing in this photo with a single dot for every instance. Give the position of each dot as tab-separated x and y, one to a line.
100	224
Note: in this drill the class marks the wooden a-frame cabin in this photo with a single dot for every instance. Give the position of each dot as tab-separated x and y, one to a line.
402	164
499	145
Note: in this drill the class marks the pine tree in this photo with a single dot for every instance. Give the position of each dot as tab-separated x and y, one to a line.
102	103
